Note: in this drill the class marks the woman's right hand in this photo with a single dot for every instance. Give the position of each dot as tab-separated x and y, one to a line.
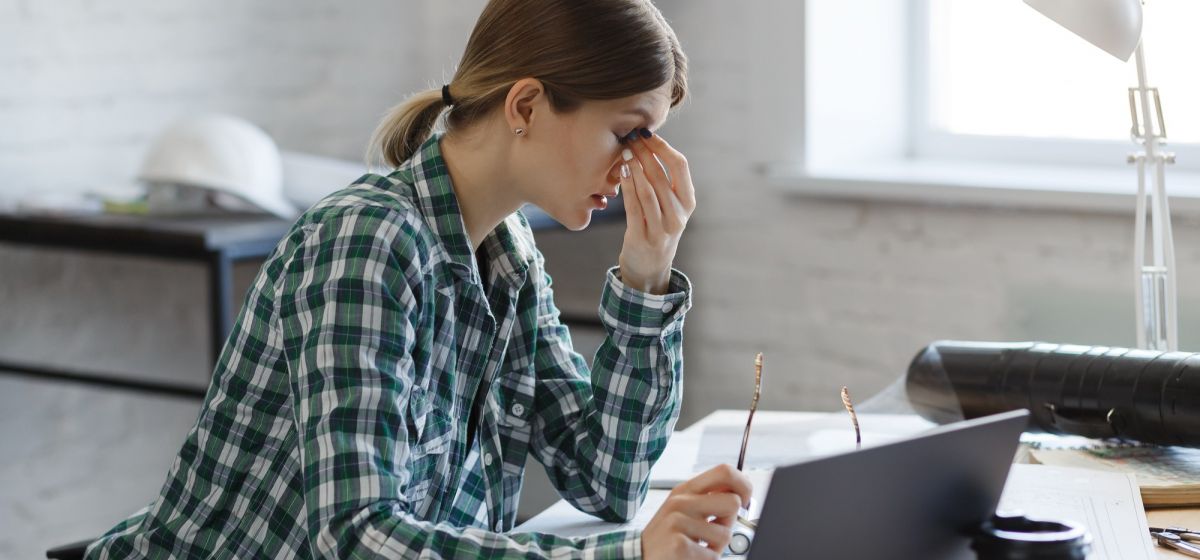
701	509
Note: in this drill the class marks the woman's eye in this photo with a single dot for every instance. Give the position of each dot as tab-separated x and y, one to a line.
621	137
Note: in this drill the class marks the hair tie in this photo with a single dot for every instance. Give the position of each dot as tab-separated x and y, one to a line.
446	95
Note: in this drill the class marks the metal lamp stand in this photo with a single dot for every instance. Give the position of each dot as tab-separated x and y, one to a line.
1154	284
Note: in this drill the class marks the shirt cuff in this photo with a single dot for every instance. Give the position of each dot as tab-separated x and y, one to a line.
617	545
627	309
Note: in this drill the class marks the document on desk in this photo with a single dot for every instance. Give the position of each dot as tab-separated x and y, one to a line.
563	519
775	444
1108	504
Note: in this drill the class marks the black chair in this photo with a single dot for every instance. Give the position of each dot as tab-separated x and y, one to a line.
73	551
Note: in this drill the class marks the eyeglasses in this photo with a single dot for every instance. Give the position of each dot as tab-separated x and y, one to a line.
853	417
758	363
846	402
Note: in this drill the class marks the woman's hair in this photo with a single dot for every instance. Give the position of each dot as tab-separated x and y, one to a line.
579	49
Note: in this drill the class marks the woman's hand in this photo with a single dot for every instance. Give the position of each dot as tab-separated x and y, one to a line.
657	208
701	509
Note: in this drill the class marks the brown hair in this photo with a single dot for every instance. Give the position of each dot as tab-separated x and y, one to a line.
579	49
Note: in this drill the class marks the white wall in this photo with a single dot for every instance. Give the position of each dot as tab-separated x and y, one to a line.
86	85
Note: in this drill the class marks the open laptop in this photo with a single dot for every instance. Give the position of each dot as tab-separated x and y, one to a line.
914	498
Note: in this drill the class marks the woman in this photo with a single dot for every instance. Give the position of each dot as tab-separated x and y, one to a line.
400	355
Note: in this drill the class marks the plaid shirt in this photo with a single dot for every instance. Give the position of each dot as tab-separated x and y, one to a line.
335	423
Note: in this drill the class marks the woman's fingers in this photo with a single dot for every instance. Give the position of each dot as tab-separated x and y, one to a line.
675	211
651	209
714	536
687	519
720	478
677	166
721	505
635	219
654	170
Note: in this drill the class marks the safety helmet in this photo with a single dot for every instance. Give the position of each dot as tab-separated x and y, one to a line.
225	155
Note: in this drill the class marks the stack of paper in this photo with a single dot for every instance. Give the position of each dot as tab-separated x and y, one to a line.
1167	476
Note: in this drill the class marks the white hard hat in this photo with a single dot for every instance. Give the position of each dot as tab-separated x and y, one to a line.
222	153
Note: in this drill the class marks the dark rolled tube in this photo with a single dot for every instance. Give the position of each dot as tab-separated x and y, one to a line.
1092	391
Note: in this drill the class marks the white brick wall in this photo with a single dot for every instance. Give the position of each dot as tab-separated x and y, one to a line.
87	85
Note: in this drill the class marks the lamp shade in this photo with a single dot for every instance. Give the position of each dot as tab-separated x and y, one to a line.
1112	25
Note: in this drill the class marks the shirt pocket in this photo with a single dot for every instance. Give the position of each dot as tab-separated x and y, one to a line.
429	428
430	434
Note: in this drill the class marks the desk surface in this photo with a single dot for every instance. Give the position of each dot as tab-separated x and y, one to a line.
563	518
190	233
186	233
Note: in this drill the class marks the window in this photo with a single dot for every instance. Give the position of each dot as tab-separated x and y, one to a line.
975	102
995	80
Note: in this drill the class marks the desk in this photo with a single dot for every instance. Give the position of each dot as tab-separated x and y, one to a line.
562	517
218	240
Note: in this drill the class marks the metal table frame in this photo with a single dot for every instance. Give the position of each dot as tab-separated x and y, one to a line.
217	240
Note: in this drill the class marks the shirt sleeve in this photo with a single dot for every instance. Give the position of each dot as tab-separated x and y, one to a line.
347	305
599	429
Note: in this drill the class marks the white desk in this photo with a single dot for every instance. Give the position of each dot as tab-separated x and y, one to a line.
677	460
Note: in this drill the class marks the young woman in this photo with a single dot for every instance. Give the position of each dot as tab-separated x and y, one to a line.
400	354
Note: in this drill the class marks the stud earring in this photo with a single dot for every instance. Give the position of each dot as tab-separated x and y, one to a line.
519	131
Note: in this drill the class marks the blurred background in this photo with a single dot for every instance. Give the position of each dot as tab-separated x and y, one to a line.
872	176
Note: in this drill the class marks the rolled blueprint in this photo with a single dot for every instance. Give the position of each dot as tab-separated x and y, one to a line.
1092	391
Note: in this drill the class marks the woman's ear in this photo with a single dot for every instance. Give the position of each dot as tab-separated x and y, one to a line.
520	102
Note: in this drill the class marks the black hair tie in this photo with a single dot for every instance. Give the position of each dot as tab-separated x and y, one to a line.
446	95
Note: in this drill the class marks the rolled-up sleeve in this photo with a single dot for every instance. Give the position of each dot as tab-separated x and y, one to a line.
600	428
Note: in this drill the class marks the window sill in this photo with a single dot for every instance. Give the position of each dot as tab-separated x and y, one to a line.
1092	189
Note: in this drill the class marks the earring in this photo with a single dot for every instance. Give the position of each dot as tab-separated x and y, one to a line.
519	131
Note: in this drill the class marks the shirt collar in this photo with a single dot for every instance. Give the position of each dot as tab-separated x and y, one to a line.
508	248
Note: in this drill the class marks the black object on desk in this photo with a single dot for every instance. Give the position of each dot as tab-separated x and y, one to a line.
1090	391
1012	536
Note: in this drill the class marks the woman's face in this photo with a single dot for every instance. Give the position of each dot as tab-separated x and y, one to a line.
573	160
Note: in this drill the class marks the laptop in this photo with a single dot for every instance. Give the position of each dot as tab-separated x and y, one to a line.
915	498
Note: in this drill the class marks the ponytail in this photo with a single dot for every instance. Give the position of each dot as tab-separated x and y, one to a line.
405	128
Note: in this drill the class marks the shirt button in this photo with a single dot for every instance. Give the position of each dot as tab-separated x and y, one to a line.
517	409
487	459
664	379
667	306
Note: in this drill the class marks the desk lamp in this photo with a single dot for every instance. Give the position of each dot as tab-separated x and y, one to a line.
1116	27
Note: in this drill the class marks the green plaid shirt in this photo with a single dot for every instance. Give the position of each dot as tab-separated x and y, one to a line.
335	423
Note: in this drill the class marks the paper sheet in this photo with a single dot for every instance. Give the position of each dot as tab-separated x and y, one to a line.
775	444
563	519
1108	504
